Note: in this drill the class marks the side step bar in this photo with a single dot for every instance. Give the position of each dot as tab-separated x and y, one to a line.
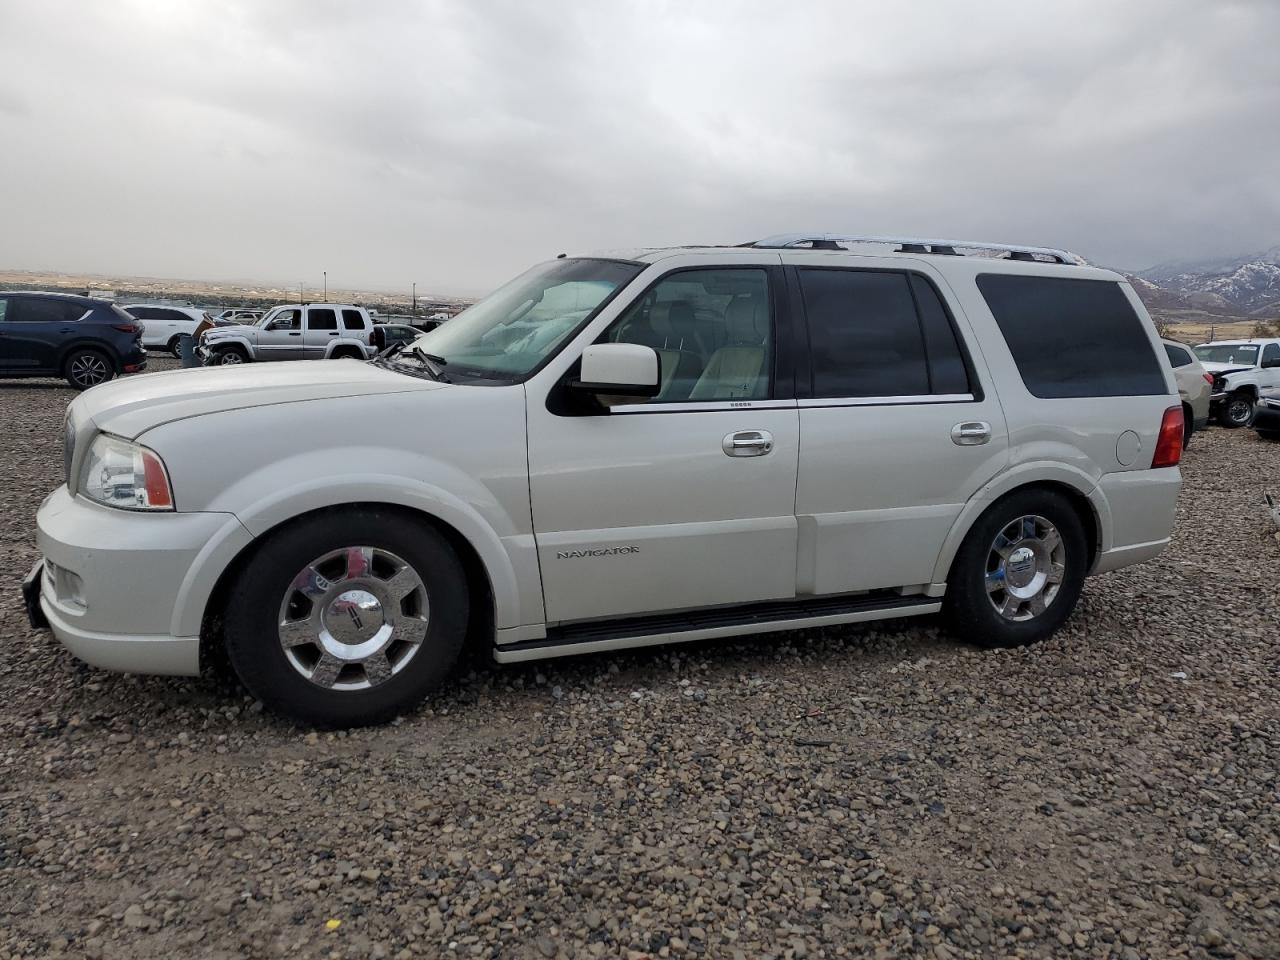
593	636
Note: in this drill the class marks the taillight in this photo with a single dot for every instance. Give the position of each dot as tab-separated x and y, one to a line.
1208	378
1169	442
126	327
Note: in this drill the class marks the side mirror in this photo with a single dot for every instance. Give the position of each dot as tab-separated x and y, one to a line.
619	370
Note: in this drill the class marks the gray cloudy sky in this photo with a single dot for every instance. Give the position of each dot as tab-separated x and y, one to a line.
453	142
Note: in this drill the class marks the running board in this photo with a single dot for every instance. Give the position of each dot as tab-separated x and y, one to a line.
770	616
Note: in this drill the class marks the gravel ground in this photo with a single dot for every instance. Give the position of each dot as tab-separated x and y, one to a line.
846	792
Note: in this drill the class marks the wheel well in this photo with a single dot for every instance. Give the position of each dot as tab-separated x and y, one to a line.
1249	388
341	353
83	346
480	631
1079	502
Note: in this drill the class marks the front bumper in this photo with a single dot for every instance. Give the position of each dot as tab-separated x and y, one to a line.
125	590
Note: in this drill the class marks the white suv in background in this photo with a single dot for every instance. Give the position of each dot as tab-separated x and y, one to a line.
164	326
292	331
621	451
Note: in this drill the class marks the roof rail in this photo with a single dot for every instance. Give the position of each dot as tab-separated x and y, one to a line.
828	241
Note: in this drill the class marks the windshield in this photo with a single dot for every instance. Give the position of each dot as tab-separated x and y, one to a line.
1242	353
508	334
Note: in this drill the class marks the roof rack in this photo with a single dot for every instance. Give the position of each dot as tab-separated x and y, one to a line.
831	241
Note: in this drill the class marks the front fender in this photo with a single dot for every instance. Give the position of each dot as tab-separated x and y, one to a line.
1022	475
243	342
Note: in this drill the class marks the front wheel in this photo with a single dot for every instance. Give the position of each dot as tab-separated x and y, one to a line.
347	618
1019	572
1237	411
230	356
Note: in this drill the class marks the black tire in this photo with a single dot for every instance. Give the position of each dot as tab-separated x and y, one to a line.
85	368
228	356
254	613
342	353
174	346
1188	427
970	607
1237	410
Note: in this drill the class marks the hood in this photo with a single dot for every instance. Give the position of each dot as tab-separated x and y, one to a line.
231	329
1222	368
132	405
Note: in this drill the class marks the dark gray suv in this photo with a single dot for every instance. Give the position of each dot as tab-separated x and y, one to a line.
87	341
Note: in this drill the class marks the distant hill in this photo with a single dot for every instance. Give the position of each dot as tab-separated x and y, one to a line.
1246	286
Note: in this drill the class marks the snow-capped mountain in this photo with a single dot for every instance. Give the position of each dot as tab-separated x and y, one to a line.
1244	285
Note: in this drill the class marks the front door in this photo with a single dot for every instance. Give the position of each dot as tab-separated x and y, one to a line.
687	500
897	429
280	335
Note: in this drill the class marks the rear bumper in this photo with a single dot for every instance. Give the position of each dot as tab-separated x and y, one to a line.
1138	508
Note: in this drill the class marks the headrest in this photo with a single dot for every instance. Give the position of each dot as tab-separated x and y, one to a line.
746	319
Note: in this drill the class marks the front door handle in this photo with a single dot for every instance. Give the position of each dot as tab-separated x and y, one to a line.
295	333
747	443
971	433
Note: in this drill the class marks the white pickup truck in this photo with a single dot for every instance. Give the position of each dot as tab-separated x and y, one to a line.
1243	371
292	331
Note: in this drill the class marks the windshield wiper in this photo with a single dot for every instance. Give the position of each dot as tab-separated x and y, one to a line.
435	365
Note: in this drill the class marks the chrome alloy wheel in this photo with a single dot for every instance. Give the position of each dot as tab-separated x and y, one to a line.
353	618
1025	568
1239	410
228	357
89	370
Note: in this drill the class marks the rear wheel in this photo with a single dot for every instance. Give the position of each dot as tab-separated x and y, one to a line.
343	353
174	346
1019	572
347	618
88	368
1237	411
1188	427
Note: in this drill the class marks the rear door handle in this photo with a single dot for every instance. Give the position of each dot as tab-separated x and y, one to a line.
971	433
747	443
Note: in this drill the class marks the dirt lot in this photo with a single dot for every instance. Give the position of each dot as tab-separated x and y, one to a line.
846	792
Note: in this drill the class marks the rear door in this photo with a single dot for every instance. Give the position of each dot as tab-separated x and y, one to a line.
356	325
898	426
33	330
1269	374
321	330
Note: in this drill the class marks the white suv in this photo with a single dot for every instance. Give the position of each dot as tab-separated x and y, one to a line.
622	451
292	331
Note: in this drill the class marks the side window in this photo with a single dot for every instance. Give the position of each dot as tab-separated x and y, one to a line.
38	310
321	318
712	330
1271	355
352	320
948	372
1073	337
865	339
4	304
142	313
286	320
1177	356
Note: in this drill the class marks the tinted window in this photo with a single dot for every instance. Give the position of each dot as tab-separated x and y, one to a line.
1270	353
352	320
4	304
1073	338
286	320
38	310
948	372
712	330
865	338
1177	356
143	313
321	319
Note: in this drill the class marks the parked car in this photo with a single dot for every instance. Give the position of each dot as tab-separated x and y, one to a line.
386	335
238	315
292	331
1242	370
1194	387
1266	416
842	437
166	325
85	340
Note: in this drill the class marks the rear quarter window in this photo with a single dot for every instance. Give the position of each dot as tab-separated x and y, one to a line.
1177	356
352	320
1073	337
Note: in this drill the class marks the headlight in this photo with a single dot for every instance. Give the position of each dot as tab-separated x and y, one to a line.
125	475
